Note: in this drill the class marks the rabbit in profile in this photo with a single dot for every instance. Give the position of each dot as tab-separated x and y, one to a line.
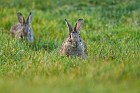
74	45
23	29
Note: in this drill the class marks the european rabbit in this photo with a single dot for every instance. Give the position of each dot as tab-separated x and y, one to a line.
74	45
23	29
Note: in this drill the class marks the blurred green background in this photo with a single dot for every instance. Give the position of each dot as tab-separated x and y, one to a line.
111	30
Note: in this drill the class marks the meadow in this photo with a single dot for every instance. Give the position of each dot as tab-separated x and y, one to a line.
111	30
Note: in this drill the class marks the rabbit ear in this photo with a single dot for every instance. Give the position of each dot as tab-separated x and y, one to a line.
20	18
30	17
78	24
69	26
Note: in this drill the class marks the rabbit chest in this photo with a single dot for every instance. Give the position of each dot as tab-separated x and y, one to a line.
74	48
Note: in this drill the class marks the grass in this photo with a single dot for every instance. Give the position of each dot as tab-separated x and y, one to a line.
111	31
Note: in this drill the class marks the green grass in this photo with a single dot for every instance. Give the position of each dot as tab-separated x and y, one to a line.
112	33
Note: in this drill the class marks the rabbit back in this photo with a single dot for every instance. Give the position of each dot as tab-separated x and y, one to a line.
16	30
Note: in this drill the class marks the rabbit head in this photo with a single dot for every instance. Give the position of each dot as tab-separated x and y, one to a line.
74	34
26	30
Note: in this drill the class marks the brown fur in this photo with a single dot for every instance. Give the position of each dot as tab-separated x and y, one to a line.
17	31
74	49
